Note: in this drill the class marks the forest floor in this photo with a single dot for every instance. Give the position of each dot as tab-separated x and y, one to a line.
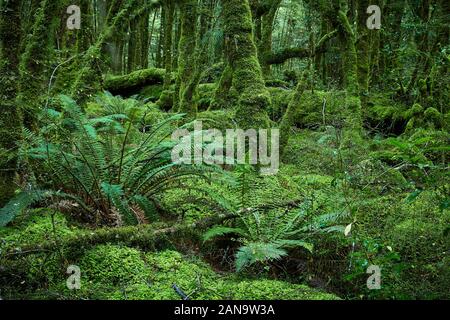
397	221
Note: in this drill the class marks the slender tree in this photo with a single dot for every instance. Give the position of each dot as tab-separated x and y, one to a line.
10	119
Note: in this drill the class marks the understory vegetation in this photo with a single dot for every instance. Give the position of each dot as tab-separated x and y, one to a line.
88	181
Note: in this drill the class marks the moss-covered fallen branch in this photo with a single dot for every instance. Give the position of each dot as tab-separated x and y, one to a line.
132	83
281	56
152	236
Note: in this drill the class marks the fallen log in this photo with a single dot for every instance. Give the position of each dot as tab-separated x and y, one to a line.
152	236
132	83
144	236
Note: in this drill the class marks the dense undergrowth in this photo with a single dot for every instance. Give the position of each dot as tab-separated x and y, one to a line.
331	212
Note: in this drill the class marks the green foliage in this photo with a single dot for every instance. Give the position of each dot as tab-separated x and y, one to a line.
220	231
21	202
105	164
265	232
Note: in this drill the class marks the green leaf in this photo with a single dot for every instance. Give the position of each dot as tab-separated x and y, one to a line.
19	203
257	252
220	231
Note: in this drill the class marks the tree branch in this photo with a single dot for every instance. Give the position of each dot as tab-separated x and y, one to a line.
289	53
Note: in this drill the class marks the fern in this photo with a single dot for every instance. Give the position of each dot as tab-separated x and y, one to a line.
266	233
258	252
19	203
108	168
221	231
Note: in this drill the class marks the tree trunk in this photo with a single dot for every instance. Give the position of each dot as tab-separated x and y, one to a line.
169	11
186	56
243	59
10	119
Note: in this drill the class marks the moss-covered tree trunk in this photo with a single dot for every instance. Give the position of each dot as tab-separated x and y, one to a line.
222	96
169	11
160	42
10	119
186	56
88	76
363	49
243	59
265	44
35	61
347	39
288	118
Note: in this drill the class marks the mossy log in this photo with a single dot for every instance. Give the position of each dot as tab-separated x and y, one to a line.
282	55
152	236
132	83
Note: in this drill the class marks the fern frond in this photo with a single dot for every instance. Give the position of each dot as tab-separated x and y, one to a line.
219	231
257	252
19	203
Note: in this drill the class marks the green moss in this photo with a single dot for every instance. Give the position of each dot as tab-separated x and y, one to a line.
248	81
166	101
432	115
204	96
37	228
167	268
220	119
274	290
186	57
224	96
11	115
131	83
198	281
280	98
152	92
112	265
379	176
415	110
153	115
